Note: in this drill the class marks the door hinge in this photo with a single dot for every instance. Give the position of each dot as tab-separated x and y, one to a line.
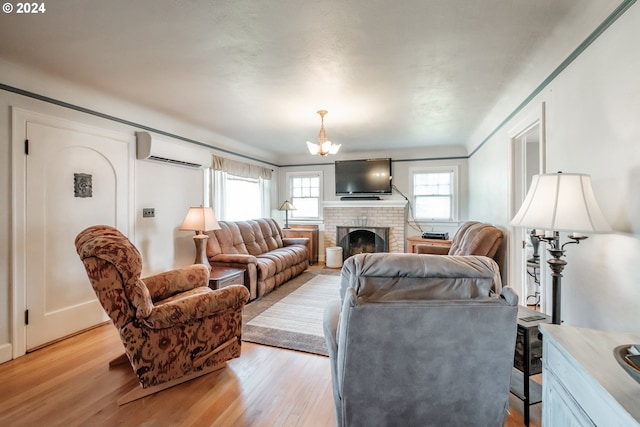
524	244
26	147
26	317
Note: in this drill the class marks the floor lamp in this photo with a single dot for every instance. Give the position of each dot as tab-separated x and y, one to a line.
200	219
560	202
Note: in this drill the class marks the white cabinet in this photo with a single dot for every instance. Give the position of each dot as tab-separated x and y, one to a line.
559	407
582	383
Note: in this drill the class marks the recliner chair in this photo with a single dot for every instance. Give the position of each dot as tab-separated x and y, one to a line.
472	238
421	340
173	326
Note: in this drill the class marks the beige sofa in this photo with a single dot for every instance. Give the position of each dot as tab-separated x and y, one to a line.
258	247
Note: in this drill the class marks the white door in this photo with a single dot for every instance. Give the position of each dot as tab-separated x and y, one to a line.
74	179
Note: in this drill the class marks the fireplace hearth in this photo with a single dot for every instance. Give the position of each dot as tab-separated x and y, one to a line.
356	240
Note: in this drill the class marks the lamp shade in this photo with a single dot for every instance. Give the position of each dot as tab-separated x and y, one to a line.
200	219
287	206
561	202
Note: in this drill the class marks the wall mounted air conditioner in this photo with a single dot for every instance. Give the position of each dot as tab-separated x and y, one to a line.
149	148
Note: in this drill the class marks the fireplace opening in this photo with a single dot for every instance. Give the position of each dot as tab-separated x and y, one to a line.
358	240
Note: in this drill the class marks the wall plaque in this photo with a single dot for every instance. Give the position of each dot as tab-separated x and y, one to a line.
82	185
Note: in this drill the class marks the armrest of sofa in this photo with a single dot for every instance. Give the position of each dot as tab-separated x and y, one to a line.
288	241
196	304
169	283
422	248
233	259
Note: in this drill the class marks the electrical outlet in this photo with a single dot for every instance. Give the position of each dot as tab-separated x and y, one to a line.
148	212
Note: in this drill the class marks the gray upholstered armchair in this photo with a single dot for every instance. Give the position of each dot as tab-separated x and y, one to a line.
421	340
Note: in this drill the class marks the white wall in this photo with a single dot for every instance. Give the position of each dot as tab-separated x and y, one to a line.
170	190
593	126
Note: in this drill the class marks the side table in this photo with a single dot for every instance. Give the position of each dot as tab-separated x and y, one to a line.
221	277
308	232
527	360
417	240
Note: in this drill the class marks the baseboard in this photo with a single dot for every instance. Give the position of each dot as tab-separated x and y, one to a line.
6	352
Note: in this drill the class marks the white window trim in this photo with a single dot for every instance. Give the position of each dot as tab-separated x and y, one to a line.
456	190
290	175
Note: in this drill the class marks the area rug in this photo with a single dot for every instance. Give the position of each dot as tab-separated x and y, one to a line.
291	316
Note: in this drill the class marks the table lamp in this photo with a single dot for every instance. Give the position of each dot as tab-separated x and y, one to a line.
200	219
560	202
286	207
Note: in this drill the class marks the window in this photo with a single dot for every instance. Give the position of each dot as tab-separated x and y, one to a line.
235	198
434	194
238	191
304	193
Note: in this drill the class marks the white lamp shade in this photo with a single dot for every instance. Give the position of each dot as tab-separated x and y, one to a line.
287	206
313	148
200	219
561	202
323	149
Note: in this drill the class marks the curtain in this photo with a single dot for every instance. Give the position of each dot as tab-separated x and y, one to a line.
221	168
217	179
236	168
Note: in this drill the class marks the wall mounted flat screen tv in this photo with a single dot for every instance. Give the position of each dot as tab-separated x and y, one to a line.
363	177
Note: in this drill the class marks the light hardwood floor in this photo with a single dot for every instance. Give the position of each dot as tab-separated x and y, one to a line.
69	383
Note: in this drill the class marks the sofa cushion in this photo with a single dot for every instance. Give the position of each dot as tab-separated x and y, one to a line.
252	237
271	233
259	235
228	239
277	260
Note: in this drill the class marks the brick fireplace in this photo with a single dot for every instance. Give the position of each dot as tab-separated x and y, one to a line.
366	214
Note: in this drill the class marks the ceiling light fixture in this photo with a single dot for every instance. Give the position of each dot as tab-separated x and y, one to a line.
323	147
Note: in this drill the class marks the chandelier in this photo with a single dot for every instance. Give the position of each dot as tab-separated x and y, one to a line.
323	147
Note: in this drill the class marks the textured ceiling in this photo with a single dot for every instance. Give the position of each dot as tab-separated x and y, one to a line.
396	74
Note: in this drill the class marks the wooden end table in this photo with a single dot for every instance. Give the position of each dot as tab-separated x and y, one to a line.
417	240
309	233
221	277
528	358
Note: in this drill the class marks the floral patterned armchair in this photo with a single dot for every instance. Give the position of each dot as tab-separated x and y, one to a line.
173	326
